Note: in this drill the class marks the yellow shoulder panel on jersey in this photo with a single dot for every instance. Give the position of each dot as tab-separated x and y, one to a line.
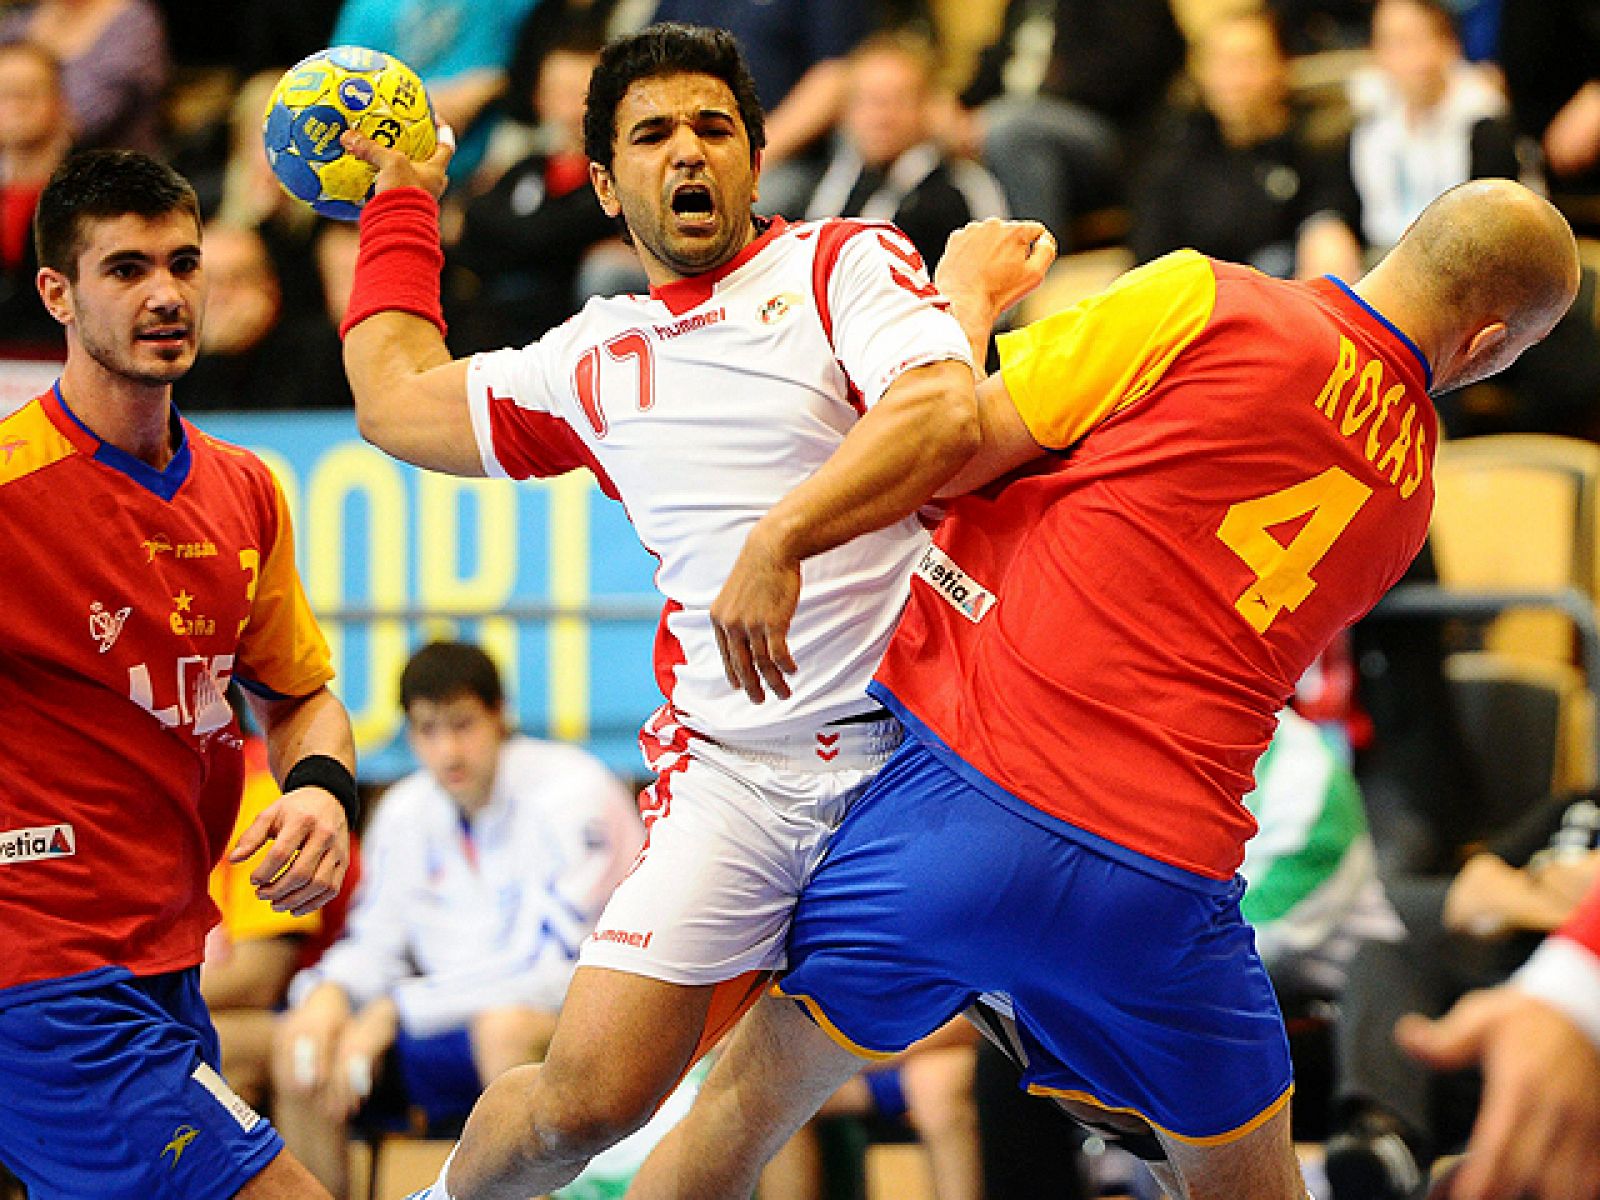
281	645
1070	371
29	442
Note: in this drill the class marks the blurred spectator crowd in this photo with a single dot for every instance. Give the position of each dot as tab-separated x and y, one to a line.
1299	136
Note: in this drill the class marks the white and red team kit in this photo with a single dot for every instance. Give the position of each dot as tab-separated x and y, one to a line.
701	406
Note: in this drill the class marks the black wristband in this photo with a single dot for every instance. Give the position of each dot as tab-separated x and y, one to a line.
332	776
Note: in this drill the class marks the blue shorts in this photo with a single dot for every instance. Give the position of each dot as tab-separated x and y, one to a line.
1135	986
110	1089
437	1073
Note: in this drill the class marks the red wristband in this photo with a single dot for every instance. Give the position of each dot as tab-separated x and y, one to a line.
398	265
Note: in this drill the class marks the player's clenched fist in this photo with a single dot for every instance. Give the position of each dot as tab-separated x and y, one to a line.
995	262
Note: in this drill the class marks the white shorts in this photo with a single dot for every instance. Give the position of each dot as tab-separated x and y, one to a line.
732	835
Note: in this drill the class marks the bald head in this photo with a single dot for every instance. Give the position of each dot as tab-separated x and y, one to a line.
1486	270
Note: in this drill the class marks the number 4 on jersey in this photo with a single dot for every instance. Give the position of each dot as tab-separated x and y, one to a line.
1328	501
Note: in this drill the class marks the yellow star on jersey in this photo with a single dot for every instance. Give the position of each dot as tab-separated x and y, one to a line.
183	600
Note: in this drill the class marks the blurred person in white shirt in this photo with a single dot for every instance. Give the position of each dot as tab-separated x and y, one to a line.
483	873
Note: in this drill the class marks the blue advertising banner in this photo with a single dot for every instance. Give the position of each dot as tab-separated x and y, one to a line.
548	576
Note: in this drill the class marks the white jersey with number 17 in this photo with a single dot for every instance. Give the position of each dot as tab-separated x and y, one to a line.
702	405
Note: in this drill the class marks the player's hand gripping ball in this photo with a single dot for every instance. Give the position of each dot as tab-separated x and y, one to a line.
317	99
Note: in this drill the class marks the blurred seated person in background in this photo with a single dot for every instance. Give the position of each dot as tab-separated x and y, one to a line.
483	873
887	165
512	272
34	141
928	1086
1471	917
1062	100
1238	176
459	48
113	56
1431	809
254	354
1538	1040
1425	119
254	951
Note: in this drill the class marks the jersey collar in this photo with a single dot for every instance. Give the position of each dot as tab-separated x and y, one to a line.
1384	322
683	294
164	483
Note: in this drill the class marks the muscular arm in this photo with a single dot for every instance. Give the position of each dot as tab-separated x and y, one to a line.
897	456
1007	444
411	397
296	726
987	267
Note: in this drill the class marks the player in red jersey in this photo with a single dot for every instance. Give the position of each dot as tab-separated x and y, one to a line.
147	565
1210	473
1537	1038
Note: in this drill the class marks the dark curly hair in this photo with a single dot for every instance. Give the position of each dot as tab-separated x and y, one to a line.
666	49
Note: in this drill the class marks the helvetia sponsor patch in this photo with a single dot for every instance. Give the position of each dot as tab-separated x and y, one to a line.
963	593
36	843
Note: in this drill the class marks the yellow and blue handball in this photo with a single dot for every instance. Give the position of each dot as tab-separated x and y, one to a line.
347	87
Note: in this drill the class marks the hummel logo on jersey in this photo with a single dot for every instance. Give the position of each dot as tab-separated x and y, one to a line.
624	937
37	843
701	320
105	627
181	1137
11	445
964	594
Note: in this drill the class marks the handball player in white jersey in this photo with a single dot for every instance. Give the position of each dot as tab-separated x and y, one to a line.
785	395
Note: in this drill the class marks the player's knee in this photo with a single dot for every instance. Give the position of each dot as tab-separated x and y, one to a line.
574	1121
289	1073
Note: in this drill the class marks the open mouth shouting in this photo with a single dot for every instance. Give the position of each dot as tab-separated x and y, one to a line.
694	207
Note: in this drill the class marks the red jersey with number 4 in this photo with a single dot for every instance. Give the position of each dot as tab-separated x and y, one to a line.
1245	467
129	598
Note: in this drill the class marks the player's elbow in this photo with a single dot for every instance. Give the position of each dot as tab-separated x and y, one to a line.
372	423
381	417
950	431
